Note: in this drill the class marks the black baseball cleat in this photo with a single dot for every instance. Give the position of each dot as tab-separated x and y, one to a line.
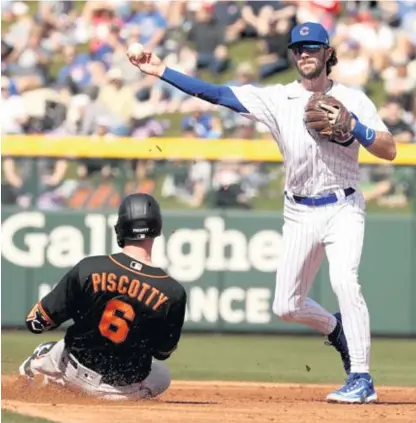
25	368
337	340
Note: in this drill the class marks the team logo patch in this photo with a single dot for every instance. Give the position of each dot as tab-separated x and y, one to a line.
304	30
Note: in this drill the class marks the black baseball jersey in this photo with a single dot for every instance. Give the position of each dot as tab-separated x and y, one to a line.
124	313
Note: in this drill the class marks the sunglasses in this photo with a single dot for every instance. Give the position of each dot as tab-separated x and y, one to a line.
307	48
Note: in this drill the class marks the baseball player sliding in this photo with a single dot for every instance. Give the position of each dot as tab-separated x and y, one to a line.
126	312
319	126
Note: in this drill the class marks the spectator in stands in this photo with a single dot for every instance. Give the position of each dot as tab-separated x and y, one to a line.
13	116
235	125
100	17
152	26
187	182
253	179
323	12
174	12
25	176
55	13
376	38
353	68
75	75
158	97
228	14
200	180
28	63
227	186
399	83
176	182
19	31
51	173
76	111
60	24
201	125
392	114
104	167
118	100
115	100
273	48
208	36
138	82
257	16
388	186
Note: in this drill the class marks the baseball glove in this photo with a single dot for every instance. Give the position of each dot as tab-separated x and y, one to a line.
317	121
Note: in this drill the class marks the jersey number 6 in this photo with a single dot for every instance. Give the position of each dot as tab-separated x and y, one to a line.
115	327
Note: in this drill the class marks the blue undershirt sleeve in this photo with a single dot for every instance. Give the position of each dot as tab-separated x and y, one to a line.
215	94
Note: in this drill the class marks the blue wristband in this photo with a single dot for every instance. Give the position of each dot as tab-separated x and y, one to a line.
363	134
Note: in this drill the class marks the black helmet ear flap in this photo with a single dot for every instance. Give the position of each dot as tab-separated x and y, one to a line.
120	240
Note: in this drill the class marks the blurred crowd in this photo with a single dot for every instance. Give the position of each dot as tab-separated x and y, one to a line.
64	71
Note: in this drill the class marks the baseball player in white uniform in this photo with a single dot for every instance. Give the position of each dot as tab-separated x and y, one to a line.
324	210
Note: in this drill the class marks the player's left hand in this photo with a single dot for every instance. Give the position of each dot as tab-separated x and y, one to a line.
333	112
340	120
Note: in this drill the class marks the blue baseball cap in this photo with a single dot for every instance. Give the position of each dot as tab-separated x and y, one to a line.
309	32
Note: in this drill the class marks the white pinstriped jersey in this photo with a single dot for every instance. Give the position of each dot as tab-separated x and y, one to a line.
311	167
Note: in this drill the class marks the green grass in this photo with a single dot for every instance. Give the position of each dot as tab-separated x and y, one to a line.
9	417
253	358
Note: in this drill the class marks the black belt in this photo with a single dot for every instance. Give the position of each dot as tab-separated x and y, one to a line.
320	201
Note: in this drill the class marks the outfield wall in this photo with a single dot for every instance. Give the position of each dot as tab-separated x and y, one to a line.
226	260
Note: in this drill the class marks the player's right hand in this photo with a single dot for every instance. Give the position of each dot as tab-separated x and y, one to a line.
147	62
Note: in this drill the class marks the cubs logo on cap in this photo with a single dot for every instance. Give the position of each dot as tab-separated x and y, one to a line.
309	32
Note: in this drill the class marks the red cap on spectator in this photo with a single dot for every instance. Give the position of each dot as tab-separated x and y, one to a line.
365	17
208	6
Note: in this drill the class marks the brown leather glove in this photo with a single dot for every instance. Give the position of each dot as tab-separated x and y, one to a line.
317	121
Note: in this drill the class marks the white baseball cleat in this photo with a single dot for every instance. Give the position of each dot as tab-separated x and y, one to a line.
359	389
25	368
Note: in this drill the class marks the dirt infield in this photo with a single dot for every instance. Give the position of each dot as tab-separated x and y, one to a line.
206	402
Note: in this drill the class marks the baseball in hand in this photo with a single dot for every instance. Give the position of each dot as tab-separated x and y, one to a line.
135	50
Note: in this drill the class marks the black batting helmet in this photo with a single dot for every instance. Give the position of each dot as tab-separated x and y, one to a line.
139	217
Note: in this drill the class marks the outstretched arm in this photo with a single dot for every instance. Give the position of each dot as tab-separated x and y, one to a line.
216	94
255	103
150	64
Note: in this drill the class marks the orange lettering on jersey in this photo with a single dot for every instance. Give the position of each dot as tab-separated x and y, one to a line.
152	295
134	288
96	281
162	299
145	288
111	282
121	288
103	281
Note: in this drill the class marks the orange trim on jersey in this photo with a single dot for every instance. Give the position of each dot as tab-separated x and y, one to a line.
32	313
135	271
45	315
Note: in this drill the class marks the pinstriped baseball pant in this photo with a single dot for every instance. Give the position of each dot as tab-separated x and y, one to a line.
336	230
